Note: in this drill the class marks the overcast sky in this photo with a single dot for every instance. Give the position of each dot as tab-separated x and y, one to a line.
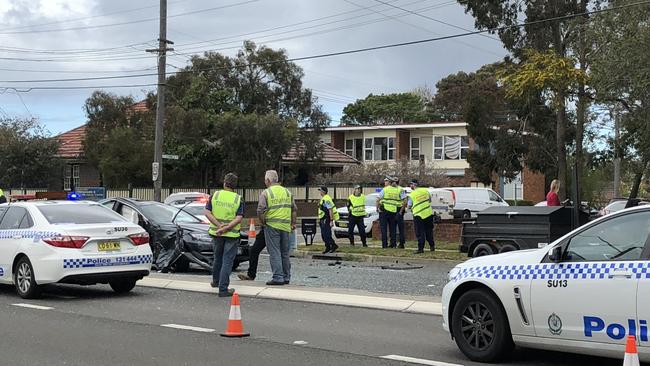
42	39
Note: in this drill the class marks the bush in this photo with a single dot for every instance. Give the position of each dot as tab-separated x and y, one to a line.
520	203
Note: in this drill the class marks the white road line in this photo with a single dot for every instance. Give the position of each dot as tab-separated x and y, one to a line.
420	361
188	327
301	343
30	306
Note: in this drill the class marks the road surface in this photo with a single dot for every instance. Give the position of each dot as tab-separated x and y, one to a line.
92	326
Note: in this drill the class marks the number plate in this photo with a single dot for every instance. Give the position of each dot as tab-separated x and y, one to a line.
108	246
343	224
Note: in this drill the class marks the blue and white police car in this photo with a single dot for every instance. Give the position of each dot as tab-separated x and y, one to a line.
43	242
584	293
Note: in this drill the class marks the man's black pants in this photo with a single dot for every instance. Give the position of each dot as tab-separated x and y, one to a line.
424	231
254	254
356	221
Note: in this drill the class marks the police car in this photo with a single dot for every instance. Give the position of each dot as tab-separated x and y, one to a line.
584	293
44	242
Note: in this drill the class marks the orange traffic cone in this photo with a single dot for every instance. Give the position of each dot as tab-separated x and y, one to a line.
631	356
235	327
251	230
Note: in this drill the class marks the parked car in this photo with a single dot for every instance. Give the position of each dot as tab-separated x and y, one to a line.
618	204
196	209
441	202
469	201
177	237
182	198
82	243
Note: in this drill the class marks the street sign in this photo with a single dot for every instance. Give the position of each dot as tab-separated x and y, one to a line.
155	168
92	193
170	157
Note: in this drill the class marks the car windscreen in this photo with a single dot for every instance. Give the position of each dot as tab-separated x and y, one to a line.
371	199
195	210
163	214
79	214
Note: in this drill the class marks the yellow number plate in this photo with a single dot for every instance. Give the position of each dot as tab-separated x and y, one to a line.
108	246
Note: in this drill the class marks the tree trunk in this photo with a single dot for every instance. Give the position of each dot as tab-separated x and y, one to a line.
635	186
581	121
561	144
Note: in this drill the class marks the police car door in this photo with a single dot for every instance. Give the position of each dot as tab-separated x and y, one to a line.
12	233
591	295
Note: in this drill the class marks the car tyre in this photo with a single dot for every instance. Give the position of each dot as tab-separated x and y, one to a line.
482	249
466	215
507	248
480	327
25	281
182	264
122	286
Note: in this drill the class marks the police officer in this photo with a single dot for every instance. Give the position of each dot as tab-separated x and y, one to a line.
399	218
388	204
419	201
357	213
224	211
3	199
327	214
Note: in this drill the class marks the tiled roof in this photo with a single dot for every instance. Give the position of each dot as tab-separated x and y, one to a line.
140	107
329	155
71	143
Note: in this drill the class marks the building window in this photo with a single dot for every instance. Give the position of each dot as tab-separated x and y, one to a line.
450	147
349	147
72	171
368	149
415	148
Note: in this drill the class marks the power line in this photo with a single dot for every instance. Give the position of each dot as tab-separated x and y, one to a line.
354	51
129	22
28	89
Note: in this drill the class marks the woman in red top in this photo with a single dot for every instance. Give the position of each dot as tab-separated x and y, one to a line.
552	199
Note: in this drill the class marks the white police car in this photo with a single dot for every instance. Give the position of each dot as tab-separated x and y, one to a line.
584	293
44	242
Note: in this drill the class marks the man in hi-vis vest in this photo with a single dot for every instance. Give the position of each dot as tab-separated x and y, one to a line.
224	211
277	212
356	215
419	201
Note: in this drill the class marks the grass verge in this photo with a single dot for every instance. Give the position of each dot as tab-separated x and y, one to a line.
447	251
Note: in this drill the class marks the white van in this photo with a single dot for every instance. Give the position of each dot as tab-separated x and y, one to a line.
469	201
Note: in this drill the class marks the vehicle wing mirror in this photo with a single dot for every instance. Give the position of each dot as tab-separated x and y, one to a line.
555	254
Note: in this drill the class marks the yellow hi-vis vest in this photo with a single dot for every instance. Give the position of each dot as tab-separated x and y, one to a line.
421	203
322	209
279	206
224	208
2	193
391	201
358	205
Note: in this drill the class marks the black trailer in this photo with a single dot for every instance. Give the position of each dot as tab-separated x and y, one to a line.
504	229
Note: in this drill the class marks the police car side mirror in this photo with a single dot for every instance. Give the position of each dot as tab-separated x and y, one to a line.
555	254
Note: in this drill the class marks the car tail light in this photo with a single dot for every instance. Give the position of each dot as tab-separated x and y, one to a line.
139	239
75	242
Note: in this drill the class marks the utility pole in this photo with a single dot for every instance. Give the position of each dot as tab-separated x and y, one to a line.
156	167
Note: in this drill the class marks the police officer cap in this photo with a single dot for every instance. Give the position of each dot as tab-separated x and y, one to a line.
357	186
322	189
414	182
388	178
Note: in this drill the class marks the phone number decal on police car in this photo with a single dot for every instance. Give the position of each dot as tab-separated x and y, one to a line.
107	262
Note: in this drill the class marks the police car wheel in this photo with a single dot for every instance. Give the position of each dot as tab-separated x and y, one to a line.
482	249
24	280
480	327
122	286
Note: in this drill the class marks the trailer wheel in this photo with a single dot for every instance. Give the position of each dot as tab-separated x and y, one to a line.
482	250
507	248
466	215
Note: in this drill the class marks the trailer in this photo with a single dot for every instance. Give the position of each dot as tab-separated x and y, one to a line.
504	229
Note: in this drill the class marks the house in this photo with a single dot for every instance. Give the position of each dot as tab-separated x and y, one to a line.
446	144
76	170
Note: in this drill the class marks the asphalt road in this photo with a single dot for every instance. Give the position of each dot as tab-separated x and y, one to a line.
92	326
395	278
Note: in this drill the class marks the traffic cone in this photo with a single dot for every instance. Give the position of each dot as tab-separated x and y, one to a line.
631	356
235	327
251	230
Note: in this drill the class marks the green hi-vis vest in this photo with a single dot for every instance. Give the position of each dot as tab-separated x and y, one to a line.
322	209
2	193
358	205
391	200
279	205
224	208
421	203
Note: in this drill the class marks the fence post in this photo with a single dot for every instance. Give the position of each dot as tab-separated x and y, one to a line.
335	195
130	190
244	194
307	193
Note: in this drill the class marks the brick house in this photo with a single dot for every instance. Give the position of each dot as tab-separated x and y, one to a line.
76	170
446	144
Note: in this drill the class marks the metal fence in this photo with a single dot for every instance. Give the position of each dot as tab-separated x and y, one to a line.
304	193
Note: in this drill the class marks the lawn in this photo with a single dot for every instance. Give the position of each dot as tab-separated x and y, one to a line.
448	251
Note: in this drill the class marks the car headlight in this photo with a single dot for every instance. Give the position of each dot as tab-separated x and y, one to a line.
453	273
201	236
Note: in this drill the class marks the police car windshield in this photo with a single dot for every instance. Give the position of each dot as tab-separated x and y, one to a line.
195	209
79	214
164	214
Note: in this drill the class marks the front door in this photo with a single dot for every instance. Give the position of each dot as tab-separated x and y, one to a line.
12	232
591	295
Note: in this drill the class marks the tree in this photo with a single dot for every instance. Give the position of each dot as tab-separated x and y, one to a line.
563	37
27	154
110	119
386	109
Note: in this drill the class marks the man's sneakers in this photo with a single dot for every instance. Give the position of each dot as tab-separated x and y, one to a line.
214	284
275	283
401	246
230	292
245	277
334	248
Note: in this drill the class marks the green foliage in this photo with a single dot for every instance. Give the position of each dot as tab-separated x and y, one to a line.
27	155
386	109
126	157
